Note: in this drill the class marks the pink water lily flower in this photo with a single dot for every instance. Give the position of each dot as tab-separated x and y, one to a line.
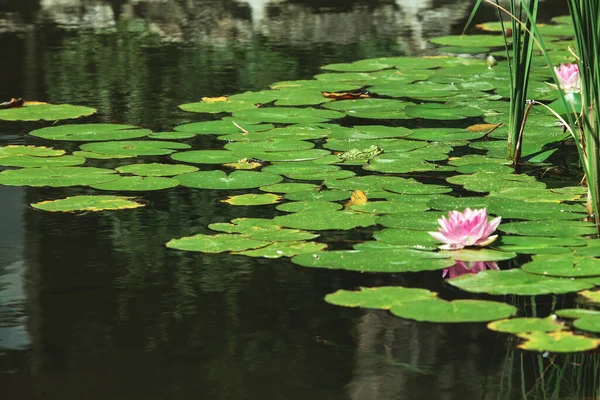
468	228
461	268
568	78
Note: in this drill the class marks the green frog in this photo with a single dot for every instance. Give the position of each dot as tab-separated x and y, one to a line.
364	154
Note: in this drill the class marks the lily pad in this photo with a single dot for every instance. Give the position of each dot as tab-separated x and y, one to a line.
557	342
406	237
57	176
371	108
220	180
253	199
207	156
34	151
90	132
441	111
25	161
563	265
441	311
524	325
215	243
518	282
267	232
575	313
88	203
325	220
46	112
223	126
404	260
156	169
590	324
137	183
378	297
285	249
300	206
549	228
483	254
288	187
135	147
318	195
287	115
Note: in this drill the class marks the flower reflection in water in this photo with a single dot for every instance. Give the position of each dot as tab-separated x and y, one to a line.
462	267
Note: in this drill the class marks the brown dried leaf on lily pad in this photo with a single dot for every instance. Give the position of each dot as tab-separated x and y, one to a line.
358	197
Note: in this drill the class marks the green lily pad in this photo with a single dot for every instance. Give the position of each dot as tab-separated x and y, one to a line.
26	161
538	244
288	187
171	135
563	265
518	282
88	203
134	147
441	111
46	112
368	65
318	195
285	249
99	156
524	325
407	218
380	183
90	132
57	176
549	228
397	209
325	220
217	105
156	169
223	126
253	199
370	108
404	260
482	254
34	151
137	183
590	324
287	115
491	181
269	145
406	237
470	40
378	297
575	313
267	231
557	342
207	156
444	134
300	206
215	243
235	180
441	311
296	131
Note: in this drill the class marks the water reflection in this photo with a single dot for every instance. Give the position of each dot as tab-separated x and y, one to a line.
13	320
111	313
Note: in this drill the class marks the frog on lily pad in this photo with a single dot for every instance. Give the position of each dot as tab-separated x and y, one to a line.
364	154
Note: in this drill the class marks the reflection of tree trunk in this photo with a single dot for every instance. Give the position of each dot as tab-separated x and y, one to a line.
454	352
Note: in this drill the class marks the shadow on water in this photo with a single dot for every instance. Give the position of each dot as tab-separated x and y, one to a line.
94	306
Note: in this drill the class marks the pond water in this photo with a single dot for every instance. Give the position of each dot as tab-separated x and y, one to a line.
94	306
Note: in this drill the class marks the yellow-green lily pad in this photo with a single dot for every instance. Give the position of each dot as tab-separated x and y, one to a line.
88	203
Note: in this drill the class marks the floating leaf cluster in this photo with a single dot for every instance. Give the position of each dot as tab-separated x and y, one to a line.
383	147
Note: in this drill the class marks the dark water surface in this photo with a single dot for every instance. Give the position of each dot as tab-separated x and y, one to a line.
95	307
